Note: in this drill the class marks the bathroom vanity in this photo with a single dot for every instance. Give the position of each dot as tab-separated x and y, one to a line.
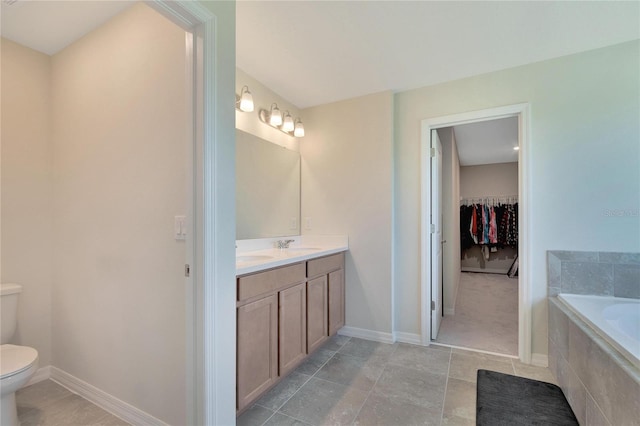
284	312
290	288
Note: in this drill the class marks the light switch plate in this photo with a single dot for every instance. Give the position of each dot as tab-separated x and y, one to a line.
180	227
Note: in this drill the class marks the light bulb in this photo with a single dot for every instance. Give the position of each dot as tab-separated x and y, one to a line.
287	125
246	100
298	130
275	116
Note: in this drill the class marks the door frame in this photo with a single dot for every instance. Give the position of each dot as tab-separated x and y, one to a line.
435	240
210	301
522	111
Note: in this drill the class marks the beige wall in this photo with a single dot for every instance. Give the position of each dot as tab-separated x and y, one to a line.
584	151
451	221
27	191
489	179
119	156
347	189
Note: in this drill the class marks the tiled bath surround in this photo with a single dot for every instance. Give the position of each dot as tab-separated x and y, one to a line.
601	385
595	273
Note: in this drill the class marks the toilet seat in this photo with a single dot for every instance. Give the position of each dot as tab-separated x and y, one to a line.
15	359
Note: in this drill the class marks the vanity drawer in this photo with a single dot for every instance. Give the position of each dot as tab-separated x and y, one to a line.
264	282
324	265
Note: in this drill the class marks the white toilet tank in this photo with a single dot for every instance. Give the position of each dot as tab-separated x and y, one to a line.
9	310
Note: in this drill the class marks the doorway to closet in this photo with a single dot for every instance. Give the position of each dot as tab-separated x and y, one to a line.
480	193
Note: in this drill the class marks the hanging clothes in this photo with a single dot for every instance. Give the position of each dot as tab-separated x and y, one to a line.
467	239
493	229
479	226
486	219
489	225
502	231
512	231
474	224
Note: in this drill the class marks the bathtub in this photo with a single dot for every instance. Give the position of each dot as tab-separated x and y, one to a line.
615	319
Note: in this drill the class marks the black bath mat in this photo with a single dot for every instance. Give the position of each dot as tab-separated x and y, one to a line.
503	399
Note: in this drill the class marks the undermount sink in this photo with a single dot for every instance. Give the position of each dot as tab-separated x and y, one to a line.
252	258
303	249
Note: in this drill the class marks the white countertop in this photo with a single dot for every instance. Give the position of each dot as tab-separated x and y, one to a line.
260	254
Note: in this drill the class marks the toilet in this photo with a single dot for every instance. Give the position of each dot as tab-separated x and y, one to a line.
17	363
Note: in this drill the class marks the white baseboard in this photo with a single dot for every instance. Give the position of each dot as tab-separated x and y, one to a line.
121	409
43	373
540	360
379	336
411	338
363	333
480	351
485	270
455	295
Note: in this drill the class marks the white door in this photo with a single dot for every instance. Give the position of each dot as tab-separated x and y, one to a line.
436	234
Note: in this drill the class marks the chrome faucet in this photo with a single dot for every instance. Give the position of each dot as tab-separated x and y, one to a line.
283	244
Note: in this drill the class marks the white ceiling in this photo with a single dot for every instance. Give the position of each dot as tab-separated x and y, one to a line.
50	26
487	142
316	52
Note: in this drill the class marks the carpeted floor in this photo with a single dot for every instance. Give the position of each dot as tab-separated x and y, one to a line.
486	314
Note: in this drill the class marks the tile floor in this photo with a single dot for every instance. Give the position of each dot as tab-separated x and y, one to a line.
359	382
48	404
346	382
486	314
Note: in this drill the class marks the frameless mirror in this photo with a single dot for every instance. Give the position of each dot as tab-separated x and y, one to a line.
267	189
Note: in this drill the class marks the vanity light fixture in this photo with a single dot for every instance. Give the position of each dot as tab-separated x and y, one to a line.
244	102
287	123
298	130
275	116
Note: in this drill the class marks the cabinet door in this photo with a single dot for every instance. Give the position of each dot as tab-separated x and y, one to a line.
257	348
292	327
317	326
336	301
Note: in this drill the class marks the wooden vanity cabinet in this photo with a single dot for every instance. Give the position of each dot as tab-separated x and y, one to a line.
271	333
331	268
257	348
336	301
317	313
284	314
292	328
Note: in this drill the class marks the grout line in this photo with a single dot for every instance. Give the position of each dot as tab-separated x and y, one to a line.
464	348
297	390
268	418
325	363
446	386
597	406
311	376
290	416
374	385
